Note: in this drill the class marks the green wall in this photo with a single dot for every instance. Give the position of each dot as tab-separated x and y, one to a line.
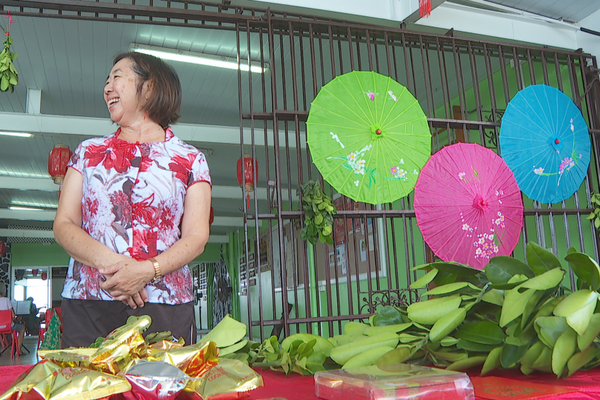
41	255
38	255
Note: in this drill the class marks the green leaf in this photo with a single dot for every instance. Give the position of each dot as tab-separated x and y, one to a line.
226	333
579	360
367	358
398	355
493	296
387	315
585	268
592	331
473	347
466	364
424	280
511	354
492	361
547	280
531	306
447	324
565	347
3	84
484	332
550	328
429	311
451	288
514	305
578	308
544	360
532	354
450	267
448	341
501	268
233	348
540	260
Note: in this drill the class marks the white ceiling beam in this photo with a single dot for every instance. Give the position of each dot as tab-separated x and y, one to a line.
25	183
26	215
97	127
34	101
41	234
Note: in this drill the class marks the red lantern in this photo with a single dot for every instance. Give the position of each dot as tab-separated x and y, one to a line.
424	8
44	275
57	162
211	218
2	248
34	272
246	175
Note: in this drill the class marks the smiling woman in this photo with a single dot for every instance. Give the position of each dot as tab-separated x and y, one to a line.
146	201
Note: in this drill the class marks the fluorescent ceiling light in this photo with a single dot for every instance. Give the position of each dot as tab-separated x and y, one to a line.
197	58
28	205
16	208
18	134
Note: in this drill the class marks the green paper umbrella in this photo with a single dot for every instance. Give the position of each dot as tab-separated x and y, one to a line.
368	137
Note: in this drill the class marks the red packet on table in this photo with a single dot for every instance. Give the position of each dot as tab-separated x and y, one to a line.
393	382
496	388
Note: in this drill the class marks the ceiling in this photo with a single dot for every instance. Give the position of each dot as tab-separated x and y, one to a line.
67	60
568	11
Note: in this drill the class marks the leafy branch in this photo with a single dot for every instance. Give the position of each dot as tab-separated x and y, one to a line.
8	73
595	215
318	214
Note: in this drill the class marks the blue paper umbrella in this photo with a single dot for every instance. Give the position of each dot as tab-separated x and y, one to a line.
545	143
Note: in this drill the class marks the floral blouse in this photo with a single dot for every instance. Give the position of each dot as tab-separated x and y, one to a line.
133	196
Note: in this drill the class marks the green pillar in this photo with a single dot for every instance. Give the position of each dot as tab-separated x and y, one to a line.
314	288
234	272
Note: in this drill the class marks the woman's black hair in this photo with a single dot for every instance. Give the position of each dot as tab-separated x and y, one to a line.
165	98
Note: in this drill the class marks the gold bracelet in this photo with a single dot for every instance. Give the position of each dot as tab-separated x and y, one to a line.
157	272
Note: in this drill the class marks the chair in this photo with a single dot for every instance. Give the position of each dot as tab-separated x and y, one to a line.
6	317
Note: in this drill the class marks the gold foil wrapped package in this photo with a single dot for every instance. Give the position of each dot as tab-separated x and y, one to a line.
121	347
156	380
165	345
48	381
73	357
193	360
230	379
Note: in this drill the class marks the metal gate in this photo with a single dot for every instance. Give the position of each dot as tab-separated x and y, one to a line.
462	85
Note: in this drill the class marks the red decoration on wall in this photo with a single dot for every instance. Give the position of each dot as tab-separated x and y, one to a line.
2	248
57	162
211	219
34	272
245	174
424	8
44	275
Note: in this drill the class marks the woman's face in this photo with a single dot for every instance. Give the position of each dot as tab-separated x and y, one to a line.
121	96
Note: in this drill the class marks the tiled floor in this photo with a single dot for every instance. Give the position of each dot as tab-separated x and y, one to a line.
30	343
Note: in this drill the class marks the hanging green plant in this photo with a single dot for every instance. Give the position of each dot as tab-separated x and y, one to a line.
318	214
9	76
595	215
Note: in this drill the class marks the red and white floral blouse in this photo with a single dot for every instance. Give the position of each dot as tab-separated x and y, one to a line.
133	195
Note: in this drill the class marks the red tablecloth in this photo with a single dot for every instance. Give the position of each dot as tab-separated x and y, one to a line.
297	387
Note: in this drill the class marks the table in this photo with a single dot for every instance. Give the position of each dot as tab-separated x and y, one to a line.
297	387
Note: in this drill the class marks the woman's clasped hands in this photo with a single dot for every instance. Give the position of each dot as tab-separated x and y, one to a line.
125	280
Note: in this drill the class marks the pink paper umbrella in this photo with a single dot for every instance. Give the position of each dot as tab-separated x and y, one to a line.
468	205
